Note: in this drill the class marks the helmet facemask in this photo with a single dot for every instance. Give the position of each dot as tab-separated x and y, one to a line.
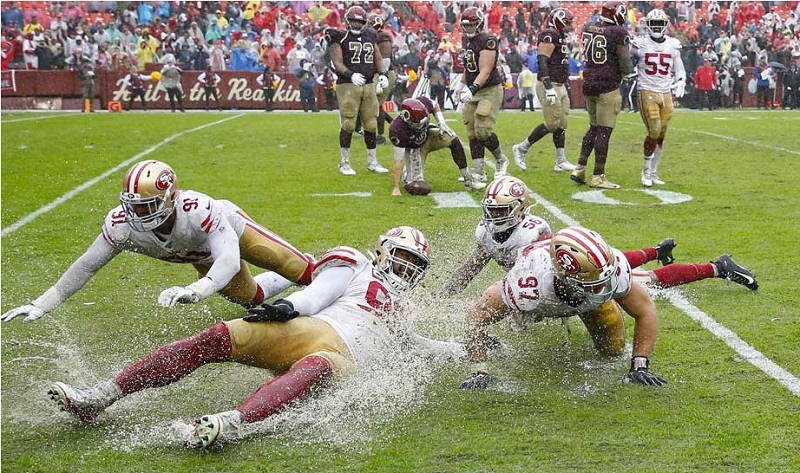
656	27
145	214
499	217
403	257
584	265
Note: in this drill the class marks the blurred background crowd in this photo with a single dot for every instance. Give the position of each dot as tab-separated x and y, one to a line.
285	36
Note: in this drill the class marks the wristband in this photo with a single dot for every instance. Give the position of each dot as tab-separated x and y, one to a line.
347	74
474	88
639	362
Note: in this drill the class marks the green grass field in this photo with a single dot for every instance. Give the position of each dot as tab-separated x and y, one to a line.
557	408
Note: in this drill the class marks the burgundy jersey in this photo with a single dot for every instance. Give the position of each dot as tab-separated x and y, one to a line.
471	52
403	136
601	73
558	64
358	52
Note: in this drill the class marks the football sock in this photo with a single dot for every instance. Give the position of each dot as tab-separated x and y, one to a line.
537	134
637	258
587	146
369	139
173	361
677	274
305	375
476	149
649	146
492	143
559	138
345	138
602	137
458	154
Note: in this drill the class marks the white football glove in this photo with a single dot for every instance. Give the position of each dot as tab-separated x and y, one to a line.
383	83
466	96
679	89
358	79
446	130
177	295
30	311
551	96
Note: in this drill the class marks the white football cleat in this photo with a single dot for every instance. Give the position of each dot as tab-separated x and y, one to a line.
563	165
344	168
84	404
519	157
212	428
502	166
474	185
647	179
656	180
376	168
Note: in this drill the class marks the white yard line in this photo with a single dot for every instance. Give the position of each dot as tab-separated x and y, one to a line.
747	352
63	115
72	193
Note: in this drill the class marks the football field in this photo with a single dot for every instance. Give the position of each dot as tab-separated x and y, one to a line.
731	356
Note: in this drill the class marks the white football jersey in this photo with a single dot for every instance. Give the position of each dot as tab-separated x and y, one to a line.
530	288
369	313
658	63
196	216
531	229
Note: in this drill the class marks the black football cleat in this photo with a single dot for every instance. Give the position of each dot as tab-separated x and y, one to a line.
728	269
664	251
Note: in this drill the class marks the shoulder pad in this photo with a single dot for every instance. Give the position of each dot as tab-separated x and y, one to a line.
332	35
115	229
339	256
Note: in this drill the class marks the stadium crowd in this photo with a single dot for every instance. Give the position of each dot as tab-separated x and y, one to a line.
284	36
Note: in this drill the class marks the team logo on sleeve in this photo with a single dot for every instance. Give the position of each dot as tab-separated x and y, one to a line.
165	179
567	262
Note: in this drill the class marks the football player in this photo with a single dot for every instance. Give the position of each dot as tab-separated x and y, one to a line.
608	61
553	61
481	92
507	227
359	65
660	71
157	218
349	315
413	137
384	42
576	273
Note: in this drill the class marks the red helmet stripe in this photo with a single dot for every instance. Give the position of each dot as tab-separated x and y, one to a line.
495	187
584	239
132	179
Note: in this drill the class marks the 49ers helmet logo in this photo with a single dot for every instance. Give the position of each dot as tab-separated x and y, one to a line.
165	179
394	232
567	262
517	189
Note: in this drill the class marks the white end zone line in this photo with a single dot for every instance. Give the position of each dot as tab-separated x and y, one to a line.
747	352
48	117
72	193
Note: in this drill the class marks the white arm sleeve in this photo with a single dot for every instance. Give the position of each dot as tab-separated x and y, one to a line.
224	244
328	286
78	274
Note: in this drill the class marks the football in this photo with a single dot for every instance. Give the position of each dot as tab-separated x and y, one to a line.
418	188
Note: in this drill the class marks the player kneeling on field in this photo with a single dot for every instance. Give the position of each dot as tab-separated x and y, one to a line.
346	317
413	137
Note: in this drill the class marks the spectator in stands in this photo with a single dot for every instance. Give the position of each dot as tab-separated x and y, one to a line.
705	82
102	58
296	57
271	57
29	50
59	27
120	59
196	32
217	55
101	36
8	52
33	27
514	60
144	54
146	10
519	19
13	15
222	22
242	57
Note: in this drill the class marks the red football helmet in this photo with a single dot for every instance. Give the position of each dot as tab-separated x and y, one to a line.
375	21
415	114
560	19
355	14
614	12
473	19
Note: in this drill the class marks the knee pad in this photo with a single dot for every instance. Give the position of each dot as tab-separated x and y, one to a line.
341	365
